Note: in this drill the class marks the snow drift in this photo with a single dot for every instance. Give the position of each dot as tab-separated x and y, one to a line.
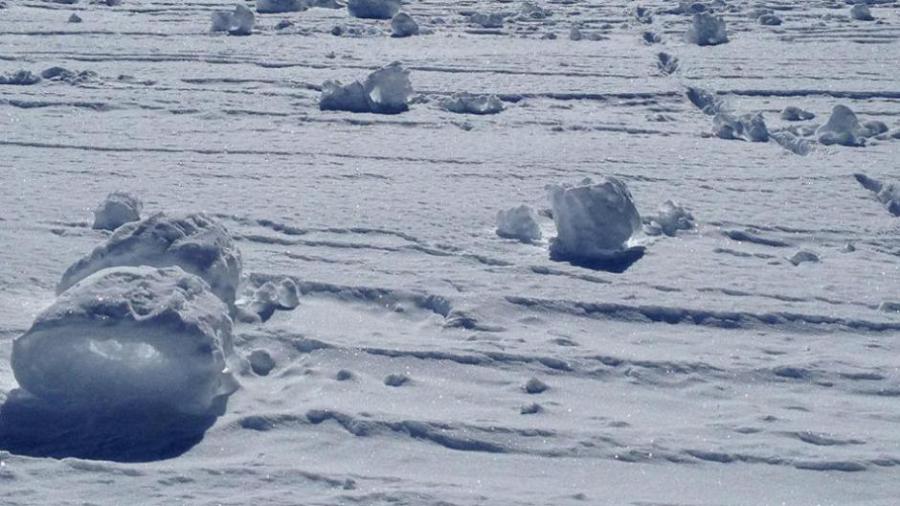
519	223
130	336
194	242
385	91
116	210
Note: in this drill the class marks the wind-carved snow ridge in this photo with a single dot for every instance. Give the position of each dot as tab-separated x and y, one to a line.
195	242
385	91
594	223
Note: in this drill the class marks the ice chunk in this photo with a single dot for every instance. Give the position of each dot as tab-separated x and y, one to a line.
68	76
194	242
888	194
237	22
669	219
707	30
748	127
276	6
403	25
467	103
116	210
130	336
842	128
385	91
861	12
792	113
594	221
519	223
373	9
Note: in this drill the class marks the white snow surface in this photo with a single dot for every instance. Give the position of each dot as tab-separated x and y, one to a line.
711	372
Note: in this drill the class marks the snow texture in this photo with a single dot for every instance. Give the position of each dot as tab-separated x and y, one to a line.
519	223
117	209
195	242
130	336
385	91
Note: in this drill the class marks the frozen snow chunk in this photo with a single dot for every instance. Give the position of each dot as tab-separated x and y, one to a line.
530	10
792	143
889	307
666	63
861	12
535	386
467	103
519	223
887	194
403	25
669	219
130	336
487	20
874	127
75	18
69	76
19	78
705	100
842	128
803	256
373	9
116	210
748	127
194	242
769	19
385	91
261	362
594	221
277	6
283	295
707	30
792	113
237	22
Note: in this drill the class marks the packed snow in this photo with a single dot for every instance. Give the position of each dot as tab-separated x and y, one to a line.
520	223
117	209
385	91
707	30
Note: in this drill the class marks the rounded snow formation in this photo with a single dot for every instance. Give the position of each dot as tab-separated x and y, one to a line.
594	221
861	12
194	242
707	30
237	22
276	6
283	295
129	337
669	219
803	256
403	25
373	9
385	91
792	113
491	20
519	223
842	128
467	103
116	210
748	127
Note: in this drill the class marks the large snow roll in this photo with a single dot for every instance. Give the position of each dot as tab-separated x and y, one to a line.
593	220
194	242
130	336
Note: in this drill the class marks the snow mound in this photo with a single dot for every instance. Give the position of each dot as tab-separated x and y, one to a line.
487	20
130	336
842	128
669	219
594	221
793	113
75	18
276	6
373	9
748	127
116	210
803	256
467	103
19	78
385	91
887	194
519	223
861	12
403	25
194	242
707	30
237	22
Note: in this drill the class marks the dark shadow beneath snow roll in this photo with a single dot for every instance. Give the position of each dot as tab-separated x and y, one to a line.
143	433
616	262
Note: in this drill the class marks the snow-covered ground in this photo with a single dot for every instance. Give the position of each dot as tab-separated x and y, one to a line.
712	371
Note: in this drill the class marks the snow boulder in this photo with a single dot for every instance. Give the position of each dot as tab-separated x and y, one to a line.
793	113
669	219
373	9
861	12
888	194
130	336
748	127
281	295
519	223
707	30
116	210
467	103
594	222
842	128
240	21
194	242
403	25
277	6
385	91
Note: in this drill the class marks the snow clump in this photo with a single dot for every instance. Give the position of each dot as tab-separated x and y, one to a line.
385	91
116	210
707	30
669	219
403	25
127	337
373	9
888	194
747	127
842	128
467	103
237	22
519	223
277	6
